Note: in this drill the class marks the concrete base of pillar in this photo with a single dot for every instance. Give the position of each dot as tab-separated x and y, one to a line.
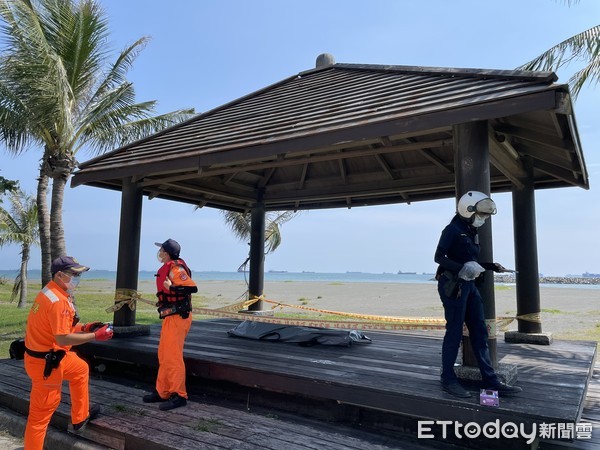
507	373
516	337
131	331
264	312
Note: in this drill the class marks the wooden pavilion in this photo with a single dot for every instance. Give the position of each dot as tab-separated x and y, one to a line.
348	135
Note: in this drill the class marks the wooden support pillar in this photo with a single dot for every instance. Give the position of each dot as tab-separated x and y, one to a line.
472	165
128	259
257	252
528	288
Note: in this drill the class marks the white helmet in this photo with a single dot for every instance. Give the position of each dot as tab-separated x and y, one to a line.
475	202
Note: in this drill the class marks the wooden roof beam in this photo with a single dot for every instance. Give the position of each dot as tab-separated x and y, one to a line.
303	176
428	154
265	180
385	166
359	190
342	166
536	137
245	197
558	172
293	161
182	177
506	163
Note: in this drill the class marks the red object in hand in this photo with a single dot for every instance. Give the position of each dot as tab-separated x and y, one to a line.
92	327
104	334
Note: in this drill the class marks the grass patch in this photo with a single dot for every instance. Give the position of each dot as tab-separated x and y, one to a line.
588	334
335	283
552	311
129	410
304	301
208	425
500	287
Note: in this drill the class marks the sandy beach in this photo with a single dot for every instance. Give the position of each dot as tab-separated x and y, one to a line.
567	312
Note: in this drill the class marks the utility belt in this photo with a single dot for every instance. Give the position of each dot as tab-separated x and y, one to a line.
52	357
181	307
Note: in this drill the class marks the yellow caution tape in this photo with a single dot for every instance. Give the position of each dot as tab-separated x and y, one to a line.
124	297
369	321
531	317
371	317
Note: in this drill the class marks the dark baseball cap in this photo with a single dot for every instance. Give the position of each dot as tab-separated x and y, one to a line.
170	246
69	263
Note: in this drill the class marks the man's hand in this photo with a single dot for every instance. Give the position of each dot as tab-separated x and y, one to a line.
91	327
500	268
470	270
104	334
167	283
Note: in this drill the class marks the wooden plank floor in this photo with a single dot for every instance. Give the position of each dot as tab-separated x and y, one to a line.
394	377
128	424
397	373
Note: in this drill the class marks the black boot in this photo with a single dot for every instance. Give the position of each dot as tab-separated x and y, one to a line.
175	401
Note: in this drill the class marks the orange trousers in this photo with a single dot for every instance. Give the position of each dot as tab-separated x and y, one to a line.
171	369
45	395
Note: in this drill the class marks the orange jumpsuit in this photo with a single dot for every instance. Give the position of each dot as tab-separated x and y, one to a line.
52	314
171	369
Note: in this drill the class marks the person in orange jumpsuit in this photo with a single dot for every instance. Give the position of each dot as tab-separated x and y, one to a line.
174	287
52	329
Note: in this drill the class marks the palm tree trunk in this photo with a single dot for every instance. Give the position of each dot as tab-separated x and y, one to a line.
44	225
24	260
57	230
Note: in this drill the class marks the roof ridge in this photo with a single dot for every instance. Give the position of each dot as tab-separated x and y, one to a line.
524	75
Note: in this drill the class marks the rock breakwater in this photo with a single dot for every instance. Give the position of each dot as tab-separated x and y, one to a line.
552	280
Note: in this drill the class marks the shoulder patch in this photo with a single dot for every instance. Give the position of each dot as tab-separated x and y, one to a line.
49	294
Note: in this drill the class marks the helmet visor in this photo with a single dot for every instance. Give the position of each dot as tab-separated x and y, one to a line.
485	206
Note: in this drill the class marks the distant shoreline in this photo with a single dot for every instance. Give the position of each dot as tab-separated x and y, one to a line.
306	276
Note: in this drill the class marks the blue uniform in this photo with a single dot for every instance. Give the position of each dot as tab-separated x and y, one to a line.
459	244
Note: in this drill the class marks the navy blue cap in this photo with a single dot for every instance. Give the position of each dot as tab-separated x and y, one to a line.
64	263
170	246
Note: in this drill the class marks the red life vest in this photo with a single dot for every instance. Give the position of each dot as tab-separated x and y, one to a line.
180	275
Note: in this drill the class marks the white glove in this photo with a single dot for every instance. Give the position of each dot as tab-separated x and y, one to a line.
470	270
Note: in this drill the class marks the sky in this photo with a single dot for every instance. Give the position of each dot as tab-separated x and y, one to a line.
203	54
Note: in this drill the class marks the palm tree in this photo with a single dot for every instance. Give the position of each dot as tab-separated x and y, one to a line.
240	225
584	48
7	186
20	226
59	91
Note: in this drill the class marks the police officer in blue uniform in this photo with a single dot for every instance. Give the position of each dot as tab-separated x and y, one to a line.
457	253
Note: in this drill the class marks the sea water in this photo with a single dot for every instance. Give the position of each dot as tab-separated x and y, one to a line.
341	277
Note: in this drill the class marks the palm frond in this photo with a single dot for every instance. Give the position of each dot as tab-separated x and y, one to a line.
19	225
16	290
582	48
239	223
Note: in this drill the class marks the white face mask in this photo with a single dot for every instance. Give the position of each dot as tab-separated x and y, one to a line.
478	221
160	256
72	284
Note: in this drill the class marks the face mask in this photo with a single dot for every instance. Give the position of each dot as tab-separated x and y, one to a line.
72	284
160	257
478	221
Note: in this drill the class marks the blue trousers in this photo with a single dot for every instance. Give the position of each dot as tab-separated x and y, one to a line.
467	308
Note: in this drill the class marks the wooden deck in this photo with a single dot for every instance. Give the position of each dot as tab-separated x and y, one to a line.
385	386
